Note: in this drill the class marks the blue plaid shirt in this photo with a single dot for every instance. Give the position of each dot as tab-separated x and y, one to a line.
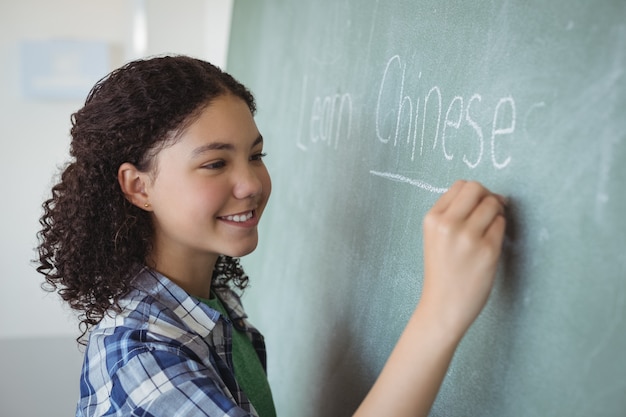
165	354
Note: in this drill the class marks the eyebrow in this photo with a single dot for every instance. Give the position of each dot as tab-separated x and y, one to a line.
218	146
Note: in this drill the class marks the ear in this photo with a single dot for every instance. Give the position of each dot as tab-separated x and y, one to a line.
133	184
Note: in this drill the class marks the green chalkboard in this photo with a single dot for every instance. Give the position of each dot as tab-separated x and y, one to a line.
370	109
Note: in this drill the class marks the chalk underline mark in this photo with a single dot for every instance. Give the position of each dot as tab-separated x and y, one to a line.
416	183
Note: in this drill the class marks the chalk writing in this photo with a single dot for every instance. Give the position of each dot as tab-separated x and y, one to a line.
329	118
416	183
426	125
457	113
501	131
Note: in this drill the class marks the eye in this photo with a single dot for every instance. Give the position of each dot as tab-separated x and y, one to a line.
214	165
258	156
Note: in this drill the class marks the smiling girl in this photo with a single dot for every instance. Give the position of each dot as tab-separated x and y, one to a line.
143	232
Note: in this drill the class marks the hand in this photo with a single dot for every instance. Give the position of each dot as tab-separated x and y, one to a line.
463	235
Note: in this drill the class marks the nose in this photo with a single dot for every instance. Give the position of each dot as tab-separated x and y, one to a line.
248	182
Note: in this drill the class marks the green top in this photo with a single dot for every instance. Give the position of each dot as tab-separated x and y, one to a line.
249	371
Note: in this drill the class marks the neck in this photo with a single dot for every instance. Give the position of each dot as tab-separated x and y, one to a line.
192	274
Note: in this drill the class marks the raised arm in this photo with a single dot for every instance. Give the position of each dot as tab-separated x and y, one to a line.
463	235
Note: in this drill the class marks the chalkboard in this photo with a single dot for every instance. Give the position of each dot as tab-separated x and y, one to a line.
370	110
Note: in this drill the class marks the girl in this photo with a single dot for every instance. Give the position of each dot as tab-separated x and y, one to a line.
143	233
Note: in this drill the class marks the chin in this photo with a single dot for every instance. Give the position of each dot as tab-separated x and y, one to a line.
242	251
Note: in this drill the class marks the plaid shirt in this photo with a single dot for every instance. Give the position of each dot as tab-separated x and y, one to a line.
165	354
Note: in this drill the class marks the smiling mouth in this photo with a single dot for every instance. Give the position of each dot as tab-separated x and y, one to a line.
239	218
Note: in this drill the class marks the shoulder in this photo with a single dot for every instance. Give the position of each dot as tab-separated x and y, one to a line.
156	314
156	331
136	373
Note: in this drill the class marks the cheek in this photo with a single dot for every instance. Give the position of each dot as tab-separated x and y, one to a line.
267	184
190	200
210	199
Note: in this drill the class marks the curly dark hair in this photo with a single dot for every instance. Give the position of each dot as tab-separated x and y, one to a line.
93	240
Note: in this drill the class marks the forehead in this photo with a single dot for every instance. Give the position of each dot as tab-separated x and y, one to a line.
226	117
227	120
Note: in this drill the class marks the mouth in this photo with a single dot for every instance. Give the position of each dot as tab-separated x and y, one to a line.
239	218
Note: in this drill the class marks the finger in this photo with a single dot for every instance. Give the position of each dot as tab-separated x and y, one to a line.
503	200
446	199
485	213
466	200
495	232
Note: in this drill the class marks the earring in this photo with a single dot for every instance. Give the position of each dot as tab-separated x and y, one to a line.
146	205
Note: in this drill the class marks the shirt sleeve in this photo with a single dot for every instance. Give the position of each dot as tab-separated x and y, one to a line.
162	383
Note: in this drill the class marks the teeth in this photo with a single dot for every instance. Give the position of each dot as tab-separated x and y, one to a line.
240	217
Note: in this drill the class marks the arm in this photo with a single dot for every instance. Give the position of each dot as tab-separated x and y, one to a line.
463	235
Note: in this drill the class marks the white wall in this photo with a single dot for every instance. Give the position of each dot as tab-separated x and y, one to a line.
40	360
34	132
